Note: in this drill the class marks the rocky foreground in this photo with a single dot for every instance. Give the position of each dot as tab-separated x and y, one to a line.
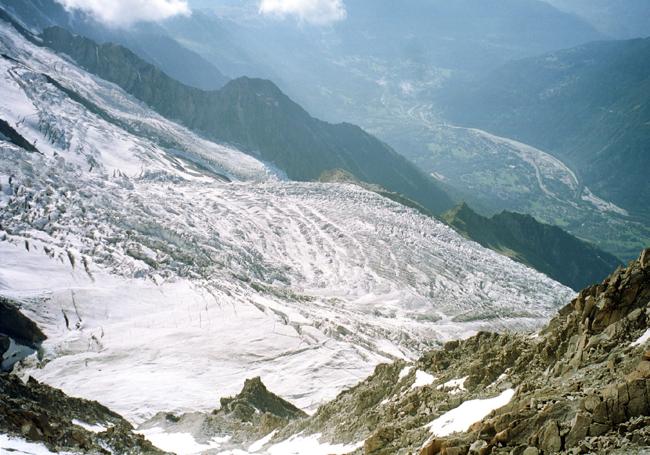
582	385
41	414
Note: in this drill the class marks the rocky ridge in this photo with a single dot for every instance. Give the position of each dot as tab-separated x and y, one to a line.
42	414
240	421
544	247
258	118
582	385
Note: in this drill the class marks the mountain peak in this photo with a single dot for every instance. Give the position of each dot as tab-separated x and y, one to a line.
254	395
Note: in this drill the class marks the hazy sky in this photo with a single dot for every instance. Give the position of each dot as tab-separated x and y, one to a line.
312	11
126	12
121	13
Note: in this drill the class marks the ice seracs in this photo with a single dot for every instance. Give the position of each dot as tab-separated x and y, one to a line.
138	247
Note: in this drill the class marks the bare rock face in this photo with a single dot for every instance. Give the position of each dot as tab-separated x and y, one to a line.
18	326
549	439
584	385
244	418
19	335
5	343
255	398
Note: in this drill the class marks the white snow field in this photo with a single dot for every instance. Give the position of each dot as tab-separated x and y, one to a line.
162	286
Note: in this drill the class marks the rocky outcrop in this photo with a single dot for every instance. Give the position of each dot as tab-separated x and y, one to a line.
243	419
19	335
584	385
256	398
18	326
14	137
42	414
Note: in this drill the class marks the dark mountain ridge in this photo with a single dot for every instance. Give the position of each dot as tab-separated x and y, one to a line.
254	115
546	248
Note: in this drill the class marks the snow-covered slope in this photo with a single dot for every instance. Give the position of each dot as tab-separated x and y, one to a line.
166	269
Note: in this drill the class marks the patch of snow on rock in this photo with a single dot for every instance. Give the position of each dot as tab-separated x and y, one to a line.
178	443
461	418
17	446
422	378
96	428
404	372
642	339
302	445
257	445
454	386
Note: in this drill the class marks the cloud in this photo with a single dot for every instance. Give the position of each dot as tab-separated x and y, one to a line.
319	12
122	13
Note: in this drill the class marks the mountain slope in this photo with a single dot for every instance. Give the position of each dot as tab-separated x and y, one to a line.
595	99
256	116
494	173
151	257
349	70
546	248
622	19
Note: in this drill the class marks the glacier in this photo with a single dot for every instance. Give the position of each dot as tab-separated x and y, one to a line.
166	269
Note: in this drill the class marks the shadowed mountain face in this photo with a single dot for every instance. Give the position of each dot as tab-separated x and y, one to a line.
590	106
257	117
546	248
616	18
14	324
19	336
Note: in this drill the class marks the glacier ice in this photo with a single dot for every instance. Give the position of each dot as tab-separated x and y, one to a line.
166	269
